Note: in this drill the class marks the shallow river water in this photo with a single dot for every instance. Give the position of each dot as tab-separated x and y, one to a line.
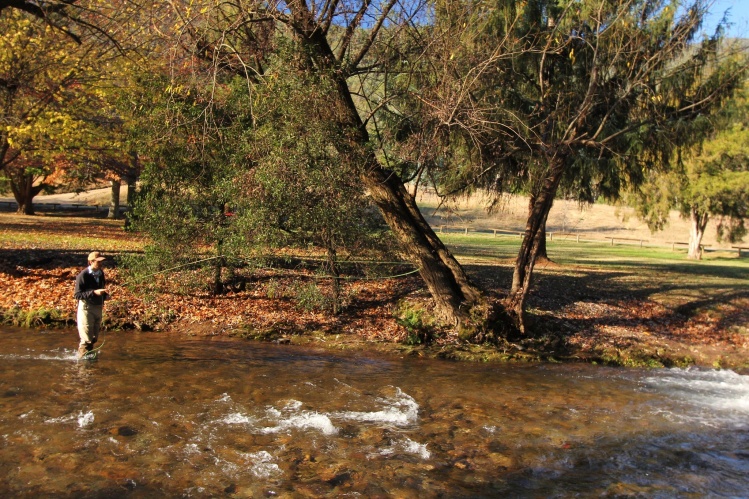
165	416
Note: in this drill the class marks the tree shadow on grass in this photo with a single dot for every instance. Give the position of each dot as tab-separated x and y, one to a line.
15	262
708	269
642	303
560	286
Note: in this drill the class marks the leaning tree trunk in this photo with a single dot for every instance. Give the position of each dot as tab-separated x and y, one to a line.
454	295
697	224
542	254
114	202
529	248
452	291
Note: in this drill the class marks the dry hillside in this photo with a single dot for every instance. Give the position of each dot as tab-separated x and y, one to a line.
595	221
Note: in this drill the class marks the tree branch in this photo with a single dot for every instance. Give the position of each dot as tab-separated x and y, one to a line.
352	26
372	35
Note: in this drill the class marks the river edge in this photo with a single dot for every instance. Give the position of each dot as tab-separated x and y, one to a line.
624	332
633	317
654	355
647	341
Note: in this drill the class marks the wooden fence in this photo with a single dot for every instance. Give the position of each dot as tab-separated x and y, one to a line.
578	237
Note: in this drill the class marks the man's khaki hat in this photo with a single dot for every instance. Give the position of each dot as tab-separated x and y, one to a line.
95	256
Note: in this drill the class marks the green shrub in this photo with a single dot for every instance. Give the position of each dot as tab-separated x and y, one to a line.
309	297
414	319
42	316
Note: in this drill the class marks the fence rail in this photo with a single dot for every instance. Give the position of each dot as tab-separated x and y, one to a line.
578	237
679	243
625	239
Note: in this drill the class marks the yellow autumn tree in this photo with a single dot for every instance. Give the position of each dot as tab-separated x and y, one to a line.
57	111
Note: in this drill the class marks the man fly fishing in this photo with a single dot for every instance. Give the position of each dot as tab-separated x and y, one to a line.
90	291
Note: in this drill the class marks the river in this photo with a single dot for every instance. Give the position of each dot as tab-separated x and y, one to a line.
158	415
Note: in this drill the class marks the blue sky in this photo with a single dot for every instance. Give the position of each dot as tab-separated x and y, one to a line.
738	15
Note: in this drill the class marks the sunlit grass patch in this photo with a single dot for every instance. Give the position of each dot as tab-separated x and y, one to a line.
68	233
600	254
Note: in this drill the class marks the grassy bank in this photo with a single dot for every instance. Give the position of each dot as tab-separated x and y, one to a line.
617	305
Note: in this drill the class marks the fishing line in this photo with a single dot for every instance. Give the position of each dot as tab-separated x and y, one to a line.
352	278
347	278
92	354
183	265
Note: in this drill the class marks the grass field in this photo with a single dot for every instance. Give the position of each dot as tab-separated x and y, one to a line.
723	262
676	279
593	222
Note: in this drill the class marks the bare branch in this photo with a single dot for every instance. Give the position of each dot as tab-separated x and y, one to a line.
372	36
352	26
327	14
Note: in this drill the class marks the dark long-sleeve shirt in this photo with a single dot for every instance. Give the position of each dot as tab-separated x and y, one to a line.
86	283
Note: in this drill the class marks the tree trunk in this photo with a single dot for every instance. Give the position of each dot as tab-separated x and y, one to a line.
453	293
529	248
130	192
24	192
336	274
446	280
697	224
25	207
219	263
542	255
114	203
131	179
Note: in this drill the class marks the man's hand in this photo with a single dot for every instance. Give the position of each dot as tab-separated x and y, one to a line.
100	292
